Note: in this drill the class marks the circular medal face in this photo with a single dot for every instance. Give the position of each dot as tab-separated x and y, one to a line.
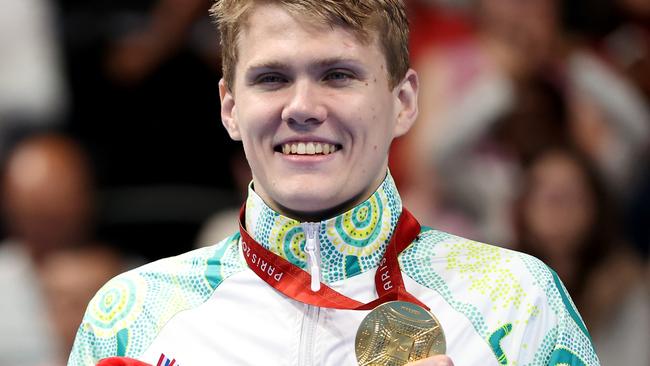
398	332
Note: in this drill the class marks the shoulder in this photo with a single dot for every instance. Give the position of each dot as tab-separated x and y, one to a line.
129	311
499	289
494	276
464	259
195	274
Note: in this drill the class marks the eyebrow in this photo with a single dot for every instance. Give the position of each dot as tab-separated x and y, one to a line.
272	65
317	65
333	61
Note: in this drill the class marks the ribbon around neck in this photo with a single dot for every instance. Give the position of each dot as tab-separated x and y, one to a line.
294	282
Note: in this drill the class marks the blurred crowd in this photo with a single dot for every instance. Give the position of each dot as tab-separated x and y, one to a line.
534	134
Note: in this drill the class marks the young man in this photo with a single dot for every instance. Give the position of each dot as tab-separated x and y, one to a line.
316	90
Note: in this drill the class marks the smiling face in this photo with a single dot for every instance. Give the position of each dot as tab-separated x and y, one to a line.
313	107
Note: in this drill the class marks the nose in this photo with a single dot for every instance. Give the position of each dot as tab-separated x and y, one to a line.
304	106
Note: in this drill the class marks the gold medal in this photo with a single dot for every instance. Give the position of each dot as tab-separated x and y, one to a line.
398	332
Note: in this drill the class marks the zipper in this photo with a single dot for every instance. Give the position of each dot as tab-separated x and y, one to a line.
307	335
310	318
312	248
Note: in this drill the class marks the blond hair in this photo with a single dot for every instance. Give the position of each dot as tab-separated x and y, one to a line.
384	19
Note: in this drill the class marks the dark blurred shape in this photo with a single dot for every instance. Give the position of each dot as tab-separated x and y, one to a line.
70	279
225	222
627	44
538	119
565	218
144	80
140	52
520	36
591	18
47	195
48	207
637	216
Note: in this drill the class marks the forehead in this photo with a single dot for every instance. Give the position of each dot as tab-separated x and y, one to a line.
272	31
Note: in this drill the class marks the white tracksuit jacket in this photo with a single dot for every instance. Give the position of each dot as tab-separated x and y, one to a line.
206	307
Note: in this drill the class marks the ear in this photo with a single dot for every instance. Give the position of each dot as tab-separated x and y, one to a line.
228	111
407	103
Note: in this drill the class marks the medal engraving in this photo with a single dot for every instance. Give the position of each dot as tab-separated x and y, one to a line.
396	333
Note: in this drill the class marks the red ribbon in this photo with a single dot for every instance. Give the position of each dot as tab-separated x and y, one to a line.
295	283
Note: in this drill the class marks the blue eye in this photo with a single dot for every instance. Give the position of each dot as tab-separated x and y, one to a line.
338	76
271	79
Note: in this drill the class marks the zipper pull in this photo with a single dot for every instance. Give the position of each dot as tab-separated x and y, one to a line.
312	248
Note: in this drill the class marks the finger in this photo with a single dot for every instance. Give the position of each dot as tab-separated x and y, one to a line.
440	360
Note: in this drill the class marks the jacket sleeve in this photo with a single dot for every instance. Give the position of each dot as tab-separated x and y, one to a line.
105	327
88	348
569	341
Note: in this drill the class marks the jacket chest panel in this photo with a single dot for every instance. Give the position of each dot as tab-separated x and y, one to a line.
246	322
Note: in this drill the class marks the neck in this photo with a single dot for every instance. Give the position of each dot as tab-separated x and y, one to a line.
322	214
319	215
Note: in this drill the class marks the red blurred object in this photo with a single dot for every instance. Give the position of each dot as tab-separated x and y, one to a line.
430	27
434	26
121	361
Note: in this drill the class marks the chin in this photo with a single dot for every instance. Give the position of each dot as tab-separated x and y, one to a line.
309	201
314	197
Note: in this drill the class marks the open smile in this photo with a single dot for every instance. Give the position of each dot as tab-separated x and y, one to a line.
307	148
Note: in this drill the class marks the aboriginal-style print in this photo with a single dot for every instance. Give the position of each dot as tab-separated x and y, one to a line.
350	243
492	286
495	343
129	311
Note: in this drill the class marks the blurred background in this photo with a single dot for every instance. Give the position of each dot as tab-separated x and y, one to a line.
534	134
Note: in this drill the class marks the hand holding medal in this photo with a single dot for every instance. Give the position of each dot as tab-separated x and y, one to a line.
440	360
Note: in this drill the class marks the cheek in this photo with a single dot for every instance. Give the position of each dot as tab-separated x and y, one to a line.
376	120
252	146
256	125
253	150
371	138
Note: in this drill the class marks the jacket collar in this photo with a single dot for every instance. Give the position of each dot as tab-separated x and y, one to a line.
350	243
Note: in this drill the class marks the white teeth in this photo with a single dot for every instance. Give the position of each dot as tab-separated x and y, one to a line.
308	148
